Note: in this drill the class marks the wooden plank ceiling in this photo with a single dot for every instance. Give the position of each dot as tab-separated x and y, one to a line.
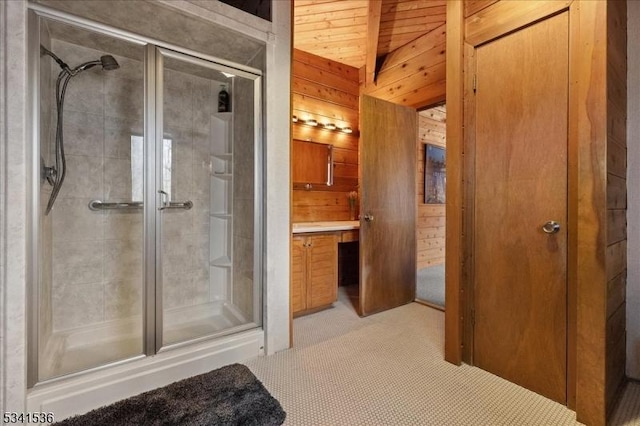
346	30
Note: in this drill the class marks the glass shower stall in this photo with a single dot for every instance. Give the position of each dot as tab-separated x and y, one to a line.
148	200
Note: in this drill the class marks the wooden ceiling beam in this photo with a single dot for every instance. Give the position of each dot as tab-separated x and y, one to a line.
373	33
405	5
426	11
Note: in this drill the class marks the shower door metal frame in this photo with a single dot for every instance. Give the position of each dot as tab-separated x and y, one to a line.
151	223
155	186
152	277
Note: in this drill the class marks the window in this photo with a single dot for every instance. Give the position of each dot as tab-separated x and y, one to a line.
137	167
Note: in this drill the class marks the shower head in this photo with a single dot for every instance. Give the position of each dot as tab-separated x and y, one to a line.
109	63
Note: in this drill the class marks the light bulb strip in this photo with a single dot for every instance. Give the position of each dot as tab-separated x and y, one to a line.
327	126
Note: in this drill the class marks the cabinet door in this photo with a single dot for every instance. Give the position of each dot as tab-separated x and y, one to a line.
322	287
298	275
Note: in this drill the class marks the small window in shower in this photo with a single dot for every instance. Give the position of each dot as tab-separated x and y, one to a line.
137	161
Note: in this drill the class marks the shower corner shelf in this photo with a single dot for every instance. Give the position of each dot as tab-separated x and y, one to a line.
222	215
221	208
221	262
224	176
224	156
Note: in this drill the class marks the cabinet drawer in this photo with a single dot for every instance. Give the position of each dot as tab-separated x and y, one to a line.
349	236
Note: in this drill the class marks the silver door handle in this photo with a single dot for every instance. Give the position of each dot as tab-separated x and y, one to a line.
368	217
551	227
185	205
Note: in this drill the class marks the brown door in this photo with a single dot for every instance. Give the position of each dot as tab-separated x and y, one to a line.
520	297
388	135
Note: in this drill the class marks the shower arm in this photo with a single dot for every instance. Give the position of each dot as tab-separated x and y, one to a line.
59	61
82	67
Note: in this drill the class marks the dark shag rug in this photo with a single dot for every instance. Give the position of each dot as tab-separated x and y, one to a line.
231	395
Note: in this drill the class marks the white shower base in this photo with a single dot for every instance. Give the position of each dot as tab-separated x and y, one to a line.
184	324
83	348
80	393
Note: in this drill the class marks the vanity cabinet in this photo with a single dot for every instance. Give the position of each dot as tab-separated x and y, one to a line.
314	277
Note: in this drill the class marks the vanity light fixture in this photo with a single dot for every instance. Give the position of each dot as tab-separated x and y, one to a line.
326	126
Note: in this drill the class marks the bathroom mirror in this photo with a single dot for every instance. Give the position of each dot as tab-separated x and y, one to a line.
312	163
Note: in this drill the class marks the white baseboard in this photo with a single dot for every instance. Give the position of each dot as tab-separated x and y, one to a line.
84	392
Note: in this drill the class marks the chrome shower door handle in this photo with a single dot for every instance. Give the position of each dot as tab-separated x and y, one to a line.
551	227
184	205
163	199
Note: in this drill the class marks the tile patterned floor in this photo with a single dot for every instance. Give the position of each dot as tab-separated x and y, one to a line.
388	369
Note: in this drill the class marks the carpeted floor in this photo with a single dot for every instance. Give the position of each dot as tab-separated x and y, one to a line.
388	369
430	285
627	412
230	395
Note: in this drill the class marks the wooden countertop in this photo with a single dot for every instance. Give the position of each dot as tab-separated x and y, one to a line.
338	225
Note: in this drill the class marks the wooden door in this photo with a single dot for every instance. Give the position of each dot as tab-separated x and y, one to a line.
388	135
520	298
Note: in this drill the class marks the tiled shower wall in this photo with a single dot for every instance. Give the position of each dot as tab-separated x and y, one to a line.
97	256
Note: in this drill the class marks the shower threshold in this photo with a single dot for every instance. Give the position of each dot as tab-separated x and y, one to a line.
94	345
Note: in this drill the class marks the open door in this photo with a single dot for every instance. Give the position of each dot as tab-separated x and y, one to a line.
388	135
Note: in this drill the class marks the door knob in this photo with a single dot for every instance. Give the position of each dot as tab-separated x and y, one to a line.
368	217
551	227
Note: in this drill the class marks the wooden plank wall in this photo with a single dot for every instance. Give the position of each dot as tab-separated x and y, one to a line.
588	134
616	198
327	91
414	74
430	227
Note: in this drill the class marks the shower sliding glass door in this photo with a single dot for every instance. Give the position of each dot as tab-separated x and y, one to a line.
207	197
148	224
91	270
